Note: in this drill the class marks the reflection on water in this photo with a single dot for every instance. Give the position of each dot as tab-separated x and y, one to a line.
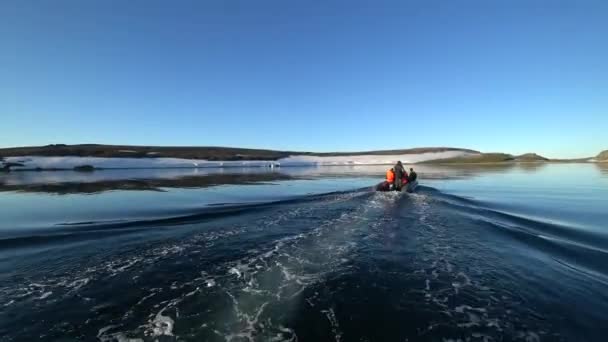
99	184
603	167
71	182
532	167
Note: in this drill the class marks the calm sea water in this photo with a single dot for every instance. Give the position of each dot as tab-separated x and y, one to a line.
512	253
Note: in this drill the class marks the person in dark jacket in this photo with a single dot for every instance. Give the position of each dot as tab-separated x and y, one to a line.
413	175
399	173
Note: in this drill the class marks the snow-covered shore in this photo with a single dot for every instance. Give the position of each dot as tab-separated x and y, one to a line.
69	162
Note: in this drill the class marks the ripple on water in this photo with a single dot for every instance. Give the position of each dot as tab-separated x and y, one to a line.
246	279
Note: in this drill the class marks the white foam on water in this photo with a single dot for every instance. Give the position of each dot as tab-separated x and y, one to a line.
127	265
103	330
285	270
143	299
104	336
450	281
78	283
76	279
532	337
283	331
118	337
482	337
277	275
464	308
192	293
333	321
235	271
458	285
250	323
161	325
45	295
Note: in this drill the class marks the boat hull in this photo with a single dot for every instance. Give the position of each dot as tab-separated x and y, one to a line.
385	186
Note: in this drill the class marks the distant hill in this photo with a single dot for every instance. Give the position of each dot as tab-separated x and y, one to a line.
531	157
211	153
491	158
504	158
475	159
126	151
127	156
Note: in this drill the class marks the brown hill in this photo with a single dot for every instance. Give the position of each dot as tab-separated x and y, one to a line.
531	157
475	159
204	152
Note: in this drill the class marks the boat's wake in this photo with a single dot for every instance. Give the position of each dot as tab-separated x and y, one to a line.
355	265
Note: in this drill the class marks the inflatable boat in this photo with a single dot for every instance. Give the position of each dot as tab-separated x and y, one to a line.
386	186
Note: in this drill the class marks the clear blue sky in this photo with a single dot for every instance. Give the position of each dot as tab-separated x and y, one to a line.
511	76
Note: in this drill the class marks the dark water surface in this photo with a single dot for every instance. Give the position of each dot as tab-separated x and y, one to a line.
507	253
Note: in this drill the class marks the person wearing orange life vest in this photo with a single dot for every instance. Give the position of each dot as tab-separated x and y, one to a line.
390	177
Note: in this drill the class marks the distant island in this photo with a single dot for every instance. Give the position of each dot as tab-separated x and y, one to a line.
89	157
483	158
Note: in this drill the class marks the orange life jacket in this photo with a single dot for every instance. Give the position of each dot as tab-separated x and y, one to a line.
390	176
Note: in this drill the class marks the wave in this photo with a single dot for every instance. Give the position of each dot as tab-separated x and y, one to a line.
243	268
249	266
521	223
556	239
86	230
585	249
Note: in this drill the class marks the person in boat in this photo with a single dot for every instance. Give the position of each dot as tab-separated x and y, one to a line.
390	178
399	175
404	179
413	175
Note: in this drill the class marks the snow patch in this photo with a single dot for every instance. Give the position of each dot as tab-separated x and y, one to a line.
369	159
69	162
